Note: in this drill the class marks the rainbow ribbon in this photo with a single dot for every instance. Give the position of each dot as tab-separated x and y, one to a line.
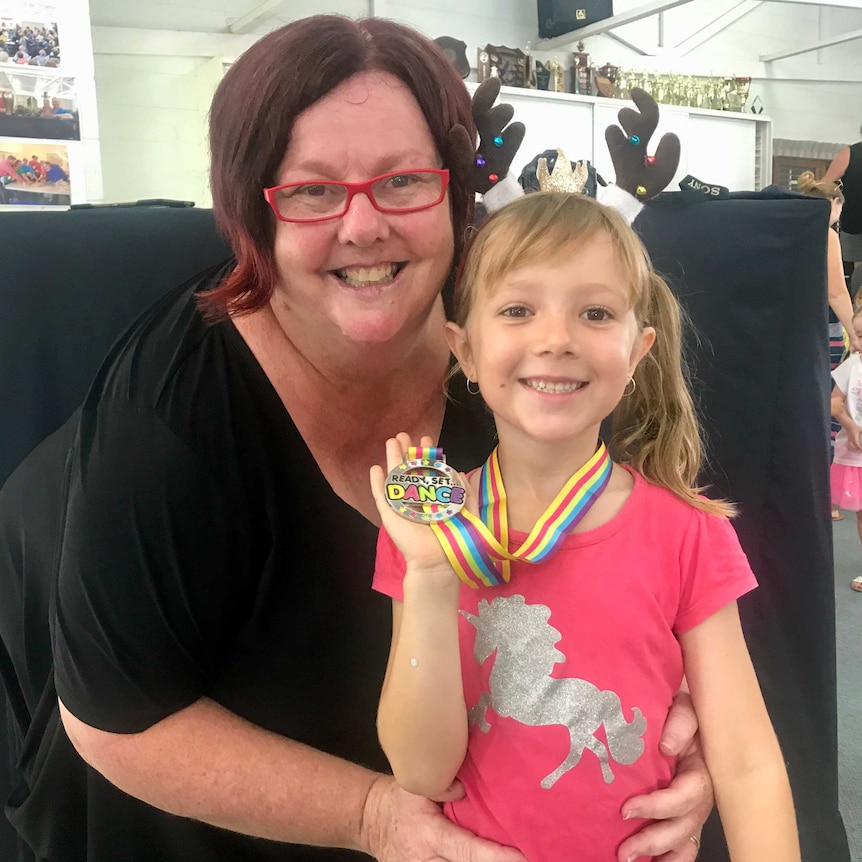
424	453
478	546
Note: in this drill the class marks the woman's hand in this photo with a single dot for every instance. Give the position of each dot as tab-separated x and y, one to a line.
417	542
681	809
855	345
398	826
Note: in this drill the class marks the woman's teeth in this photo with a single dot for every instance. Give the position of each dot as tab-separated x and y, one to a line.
548	386
368	276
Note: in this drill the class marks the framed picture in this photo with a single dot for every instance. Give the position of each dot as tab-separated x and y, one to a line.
507	64
34	174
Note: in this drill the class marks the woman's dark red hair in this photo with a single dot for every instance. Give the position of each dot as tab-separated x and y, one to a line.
258	101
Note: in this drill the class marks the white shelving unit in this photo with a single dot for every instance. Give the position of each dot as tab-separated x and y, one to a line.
720	147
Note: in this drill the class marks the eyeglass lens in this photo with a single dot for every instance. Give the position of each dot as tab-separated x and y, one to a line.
408	190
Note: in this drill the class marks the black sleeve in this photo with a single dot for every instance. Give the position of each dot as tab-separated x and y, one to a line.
146	575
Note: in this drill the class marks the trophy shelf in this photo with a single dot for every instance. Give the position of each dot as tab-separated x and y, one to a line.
719	147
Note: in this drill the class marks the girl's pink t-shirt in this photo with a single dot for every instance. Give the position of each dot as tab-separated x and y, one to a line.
570	668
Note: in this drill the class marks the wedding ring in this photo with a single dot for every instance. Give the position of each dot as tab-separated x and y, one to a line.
696	841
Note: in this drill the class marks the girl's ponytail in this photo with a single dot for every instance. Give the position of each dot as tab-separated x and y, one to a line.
655	429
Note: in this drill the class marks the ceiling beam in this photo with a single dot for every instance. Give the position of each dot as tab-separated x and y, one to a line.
611	23
630	45
840	4
169	43
253	17
716	26
840	39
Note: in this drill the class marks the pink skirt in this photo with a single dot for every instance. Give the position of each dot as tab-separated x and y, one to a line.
846	484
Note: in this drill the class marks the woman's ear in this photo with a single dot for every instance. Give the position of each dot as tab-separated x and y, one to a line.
459	344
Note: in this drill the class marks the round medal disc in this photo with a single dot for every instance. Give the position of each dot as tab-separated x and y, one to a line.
425	491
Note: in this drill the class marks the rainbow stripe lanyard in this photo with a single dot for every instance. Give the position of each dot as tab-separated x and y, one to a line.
478	547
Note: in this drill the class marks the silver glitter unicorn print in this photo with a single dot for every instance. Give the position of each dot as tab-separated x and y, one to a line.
521	687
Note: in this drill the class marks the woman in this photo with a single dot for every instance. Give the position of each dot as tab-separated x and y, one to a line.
217	648
846	168
840	305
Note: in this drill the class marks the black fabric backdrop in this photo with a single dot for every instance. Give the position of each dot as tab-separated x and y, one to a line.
750	270
70	283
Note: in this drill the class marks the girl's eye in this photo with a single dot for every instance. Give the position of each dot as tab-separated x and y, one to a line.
515	311
597	315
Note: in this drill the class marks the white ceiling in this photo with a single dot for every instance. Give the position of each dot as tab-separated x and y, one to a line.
257	17
219	15
216	16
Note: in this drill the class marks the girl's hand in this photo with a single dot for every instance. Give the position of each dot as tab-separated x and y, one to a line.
417	542
854	438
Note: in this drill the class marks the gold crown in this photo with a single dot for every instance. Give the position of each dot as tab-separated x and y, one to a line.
563	178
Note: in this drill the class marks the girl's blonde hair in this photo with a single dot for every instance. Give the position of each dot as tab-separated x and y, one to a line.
808	184
655	429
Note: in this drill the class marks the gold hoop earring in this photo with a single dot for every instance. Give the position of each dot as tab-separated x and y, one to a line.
630	391
472	392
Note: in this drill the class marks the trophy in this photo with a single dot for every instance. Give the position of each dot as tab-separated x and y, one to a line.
606	78
507	64
582	73
557	76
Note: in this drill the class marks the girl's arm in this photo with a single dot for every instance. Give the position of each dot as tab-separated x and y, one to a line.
422	718
838	408
742	753
839	298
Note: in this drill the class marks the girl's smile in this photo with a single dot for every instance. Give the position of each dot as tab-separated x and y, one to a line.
553	345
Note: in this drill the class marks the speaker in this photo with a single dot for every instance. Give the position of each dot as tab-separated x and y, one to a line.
557	17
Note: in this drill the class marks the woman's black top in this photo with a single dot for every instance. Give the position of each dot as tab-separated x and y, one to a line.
190	547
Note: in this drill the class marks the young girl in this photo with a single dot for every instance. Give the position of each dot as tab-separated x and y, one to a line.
846	472
546	693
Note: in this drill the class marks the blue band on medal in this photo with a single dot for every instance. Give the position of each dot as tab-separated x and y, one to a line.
425	491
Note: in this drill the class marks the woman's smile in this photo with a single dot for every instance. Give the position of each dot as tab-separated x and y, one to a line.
373	275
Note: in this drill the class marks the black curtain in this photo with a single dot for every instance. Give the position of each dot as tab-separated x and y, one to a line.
70	283
750	270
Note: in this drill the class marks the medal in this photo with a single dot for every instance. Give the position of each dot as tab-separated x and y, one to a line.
424	488
478	547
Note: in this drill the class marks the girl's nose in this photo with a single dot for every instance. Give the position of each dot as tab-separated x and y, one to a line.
556	335
362	224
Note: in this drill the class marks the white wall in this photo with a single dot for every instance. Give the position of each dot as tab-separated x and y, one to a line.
152	116
153	108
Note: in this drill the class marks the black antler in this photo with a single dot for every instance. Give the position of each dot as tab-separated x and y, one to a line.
499	139
641	175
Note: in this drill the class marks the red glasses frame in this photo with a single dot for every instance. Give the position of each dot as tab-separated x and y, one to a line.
354	189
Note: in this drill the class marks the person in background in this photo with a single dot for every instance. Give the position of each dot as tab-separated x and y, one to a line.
8	170
58	110
840	304
845	475
216	655
38	168
55	174
25	172
846	167
517	662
